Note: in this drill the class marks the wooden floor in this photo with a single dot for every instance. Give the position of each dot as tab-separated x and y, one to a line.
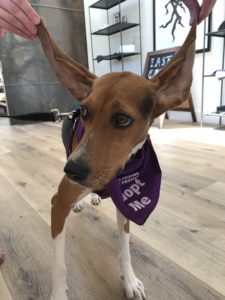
178	254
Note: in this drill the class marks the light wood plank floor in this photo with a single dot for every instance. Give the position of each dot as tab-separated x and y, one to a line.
179	253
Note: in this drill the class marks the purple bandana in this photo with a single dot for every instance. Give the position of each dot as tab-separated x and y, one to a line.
135	191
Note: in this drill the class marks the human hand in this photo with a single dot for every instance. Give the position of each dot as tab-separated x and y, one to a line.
18	17
198	12
205	9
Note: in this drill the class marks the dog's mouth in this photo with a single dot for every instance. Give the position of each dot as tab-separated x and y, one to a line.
81	172
75	179
77	171
97	184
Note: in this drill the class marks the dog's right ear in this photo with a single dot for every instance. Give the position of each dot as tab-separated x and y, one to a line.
75	77
173	82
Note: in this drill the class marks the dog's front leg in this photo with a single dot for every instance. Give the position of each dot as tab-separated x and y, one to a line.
59	286
133	286
68	193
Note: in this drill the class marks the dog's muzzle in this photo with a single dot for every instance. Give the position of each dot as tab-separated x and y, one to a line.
77	171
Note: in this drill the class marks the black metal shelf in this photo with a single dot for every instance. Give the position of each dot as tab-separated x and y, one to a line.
115	28
106	4
219	33
118	56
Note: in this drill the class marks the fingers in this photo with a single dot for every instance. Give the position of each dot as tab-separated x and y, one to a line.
2	32
10	23
11	12
198	13
7	26
28	11
206	8
194	9
19	17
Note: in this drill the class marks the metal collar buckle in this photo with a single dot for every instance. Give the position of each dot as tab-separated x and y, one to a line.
69	115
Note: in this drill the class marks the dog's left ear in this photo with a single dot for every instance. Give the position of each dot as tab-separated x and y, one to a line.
75	77
173	83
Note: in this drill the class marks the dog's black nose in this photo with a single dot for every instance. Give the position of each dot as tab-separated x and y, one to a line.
77	170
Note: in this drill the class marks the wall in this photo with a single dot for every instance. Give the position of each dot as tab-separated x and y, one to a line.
213	58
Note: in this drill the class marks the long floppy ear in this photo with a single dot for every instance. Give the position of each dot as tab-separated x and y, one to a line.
173	83
75	77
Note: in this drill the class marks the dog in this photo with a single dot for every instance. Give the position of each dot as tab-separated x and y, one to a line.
116	112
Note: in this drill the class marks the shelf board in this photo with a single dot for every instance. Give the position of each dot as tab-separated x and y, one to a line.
215	114
219	33
119	56
115	28
106	4
222	78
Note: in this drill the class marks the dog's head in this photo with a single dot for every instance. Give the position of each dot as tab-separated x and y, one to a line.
117	109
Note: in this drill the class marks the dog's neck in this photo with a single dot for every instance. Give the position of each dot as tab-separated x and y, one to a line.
135	149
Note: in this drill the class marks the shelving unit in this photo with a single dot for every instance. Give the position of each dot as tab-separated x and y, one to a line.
220	34
113	30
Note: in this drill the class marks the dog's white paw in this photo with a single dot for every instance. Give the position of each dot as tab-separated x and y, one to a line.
134	287
95	199
78	206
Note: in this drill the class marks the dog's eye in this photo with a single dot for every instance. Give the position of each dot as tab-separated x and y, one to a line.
122	121
84	113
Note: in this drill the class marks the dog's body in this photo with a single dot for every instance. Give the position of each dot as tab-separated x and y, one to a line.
119	107
117	110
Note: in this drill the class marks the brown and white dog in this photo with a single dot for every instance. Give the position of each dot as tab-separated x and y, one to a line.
117	111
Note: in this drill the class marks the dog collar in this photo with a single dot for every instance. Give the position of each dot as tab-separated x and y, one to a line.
135	192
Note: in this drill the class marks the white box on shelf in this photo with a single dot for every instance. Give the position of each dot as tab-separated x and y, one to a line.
127	48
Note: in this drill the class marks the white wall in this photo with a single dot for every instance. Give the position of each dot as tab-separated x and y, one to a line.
213	58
